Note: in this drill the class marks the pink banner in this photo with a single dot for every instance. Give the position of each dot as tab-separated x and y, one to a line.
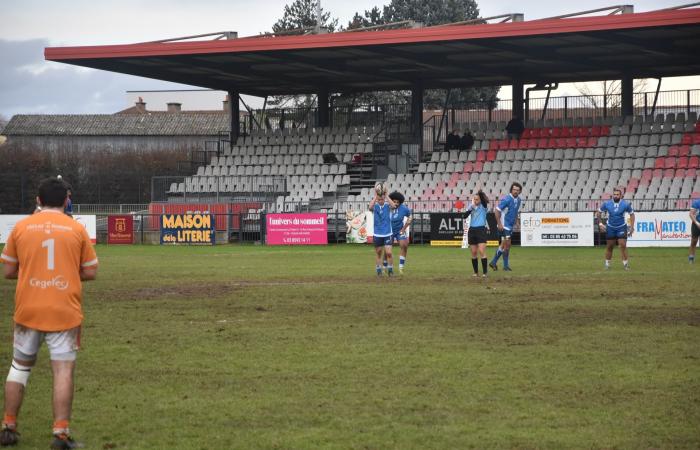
297	229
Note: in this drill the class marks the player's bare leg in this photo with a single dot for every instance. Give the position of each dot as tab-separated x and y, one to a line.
609	252
389	259
623	251
403	247
378	251
691	250
484	261
506	254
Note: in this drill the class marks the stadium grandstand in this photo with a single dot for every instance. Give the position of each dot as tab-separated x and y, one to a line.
566	161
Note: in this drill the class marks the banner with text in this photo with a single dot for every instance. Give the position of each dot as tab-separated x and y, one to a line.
296	229
194	229
7	223
447	229
120	229
567	229
661	229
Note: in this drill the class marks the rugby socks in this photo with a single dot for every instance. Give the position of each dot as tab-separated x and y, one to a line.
475	265
607	263
9	421
484	265
691	259
386	263
506	254
379	270
61	427
402	261
499	252
625	263
390	270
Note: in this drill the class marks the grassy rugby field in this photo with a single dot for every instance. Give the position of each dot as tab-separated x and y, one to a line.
267	347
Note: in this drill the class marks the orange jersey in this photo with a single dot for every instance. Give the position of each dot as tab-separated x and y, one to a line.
50	248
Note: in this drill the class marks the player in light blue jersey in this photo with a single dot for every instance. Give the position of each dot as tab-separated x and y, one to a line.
695	229
506	222
478	231
400	220
381	207
616	230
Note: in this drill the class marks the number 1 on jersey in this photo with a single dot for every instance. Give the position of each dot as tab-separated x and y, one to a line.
49	245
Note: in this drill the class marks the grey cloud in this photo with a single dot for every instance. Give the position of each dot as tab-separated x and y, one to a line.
29	84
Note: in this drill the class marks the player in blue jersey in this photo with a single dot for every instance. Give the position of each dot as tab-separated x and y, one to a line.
478	231
506	222
381	207
616	230
400	220
695	229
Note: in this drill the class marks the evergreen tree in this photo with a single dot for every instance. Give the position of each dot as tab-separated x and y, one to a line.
302	14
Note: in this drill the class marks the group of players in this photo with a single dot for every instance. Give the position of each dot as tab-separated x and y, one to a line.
392	218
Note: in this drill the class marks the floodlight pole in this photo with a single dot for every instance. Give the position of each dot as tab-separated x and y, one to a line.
323	110
234	110
517	97
627	91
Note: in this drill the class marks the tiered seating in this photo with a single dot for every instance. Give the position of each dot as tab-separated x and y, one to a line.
652	160
258	162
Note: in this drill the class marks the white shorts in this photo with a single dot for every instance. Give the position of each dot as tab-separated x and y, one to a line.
62	345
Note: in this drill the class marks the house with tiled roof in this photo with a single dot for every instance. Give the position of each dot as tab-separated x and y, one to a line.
134	129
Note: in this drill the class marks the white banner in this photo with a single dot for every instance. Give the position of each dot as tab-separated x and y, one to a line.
7	223
566	229
661	229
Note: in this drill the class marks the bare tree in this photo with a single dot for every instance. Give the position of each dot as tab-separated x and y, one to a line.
608	92
3	122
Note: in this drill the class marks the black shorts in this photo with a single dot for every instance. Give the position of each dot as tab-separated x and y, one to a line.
477	235
694	231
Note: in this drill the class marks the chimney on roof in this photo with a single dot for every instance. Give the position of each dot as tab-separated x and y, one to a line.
174	107
141	105
226	103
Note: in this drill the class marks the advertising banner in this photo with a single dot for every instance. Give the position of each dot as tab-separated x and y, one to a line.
660	229
193	229
120	229
448	230
7	223
296	229
360	227
566	229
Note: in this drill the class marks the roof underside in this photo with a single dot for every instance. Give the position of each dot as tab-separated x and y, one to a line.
645	45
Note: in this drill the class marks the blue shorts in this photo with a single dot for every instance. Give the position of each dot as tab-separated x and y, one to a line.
384	241
616	233
506	233
398	237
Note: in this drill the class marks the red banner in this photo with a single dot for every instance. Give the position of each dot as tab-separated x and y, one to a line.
120	229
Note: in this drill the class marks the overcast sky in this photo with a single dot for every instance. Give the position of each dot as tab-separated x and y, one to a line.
28	84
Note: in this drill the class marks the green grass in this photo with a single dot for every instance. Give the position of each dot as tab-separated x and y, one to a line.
262	347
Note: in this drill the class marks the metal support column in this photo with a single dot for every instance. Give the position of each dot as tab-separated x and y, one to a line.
323	110
627	89
417	109
234	110
517	97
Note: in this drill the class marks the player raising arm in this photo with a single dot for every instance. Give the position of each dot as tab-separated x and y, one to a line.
616	229
381	206
49	254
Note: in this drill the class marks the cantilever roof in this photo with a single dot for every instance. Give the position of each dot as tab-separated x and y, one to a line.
643	45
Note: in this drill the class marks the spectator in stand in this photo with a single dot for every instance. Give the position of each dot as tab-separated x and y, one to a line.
452	142
467	141
515	128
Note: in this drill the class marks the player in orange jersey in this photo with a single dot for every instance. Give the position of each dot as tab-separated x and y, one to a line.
49	254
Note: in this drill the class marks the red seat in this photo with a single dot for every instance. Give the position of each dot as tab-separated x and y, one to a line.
493	144
670	162
468	167
592	141
595	131
532	143
491	155
694	162
684	150
481	155
697	127
552	142
691	172
658	173
566	132
696	138
479	166
561	142
556	132
581	142
571	142
581	131
522	143
680	173
668	173
542	142
512	144
682	162
673	150
687	139
659	163
527	133
647	174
